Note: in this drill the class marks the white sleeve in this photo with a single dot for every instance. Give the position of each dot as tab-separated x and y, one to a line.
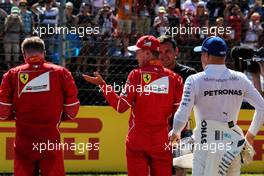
182	114
255	99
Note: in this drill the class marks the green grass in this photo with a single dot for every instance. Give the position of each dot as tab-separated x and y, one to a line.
126	174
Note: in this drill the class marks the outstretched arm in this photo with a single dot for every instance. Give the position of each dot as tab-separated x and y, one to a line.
6	95
183	112
119	103
71	103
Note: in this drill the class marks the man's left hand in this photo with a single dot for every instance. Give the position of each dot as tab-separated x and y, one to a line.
173	137
250	138
97	80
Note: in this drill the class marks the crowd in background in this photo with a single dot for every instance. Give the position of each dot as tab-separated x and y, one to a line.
120	23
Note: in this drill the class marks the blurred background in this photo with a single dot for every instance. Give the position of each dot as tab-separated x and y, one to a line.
115	24
110	26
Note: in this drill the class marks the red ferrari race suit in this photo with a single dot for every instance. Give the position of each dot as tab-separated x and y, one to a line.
153	93
38	97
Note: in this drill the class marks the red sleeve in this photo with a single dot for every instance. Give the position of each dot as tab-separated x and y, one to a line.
6	96
126	99
178	91
70	92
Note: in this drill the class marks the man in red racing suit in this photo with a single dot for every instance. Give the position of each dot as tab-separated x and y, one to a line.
153	93
38	95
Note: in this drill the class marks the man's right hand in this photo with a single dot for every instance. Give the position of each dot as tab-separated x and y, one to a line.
97	80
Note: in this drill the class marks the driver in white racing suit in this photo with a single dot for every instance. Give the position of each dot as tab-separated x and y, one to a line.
216	95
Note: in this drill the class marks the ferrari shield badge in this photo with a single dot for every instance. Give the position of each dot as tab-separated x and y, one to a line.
146	78
23	77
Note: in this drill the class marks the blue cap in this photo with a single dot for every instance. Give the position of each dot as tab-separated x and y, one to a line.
215	46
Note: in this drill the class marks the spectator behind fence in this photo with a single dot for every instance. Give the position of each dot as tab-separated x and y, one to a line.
189	38
70	20
48	15
258	7
219	23
6	5
254	30
97	5
106	20
13	29
235	19
143	13
124	17
201	18
161	22
3	15
27	18
190	4
85	16
86	19
215	9
173	15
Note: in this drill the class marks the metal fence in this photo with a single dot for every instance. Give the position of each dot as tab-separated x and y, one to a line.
114	69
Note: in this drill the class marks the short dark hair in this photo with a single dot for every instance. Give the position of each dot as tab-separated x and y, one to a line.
155	54
33	44
167	38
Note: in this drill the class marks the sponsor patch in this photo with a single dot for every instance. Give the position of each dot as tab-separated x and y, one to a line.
203	132
147	78
24	77
159	86
40	83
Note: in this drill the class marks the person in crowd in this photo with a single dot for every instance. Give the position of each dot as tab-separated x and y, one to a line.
105	20
201	18
188	38
219	23
7	5
161	22
259	8
27	18
235	19
97	5
253	31
86	20
124	17
48	16
13	30
71	20
190	4
173	15
3	15
143	16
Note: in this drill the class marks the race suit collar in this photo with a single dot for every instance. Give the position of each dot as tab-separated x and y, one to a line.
155	62
216	67
35	60
215	70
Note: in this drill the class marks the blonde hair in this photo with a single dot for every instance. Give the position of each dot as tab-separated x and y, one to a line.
33	44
